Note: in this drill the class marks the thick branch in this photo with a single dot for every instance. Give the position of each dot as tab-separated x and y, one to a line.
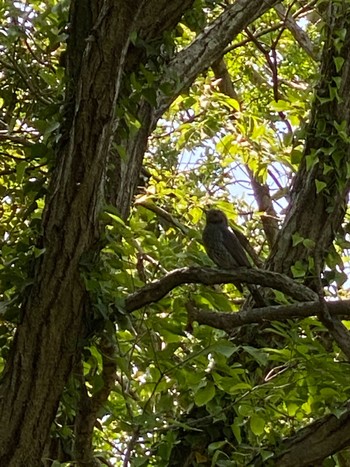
208	46
157	16
228	321
221	73
195	275
315	442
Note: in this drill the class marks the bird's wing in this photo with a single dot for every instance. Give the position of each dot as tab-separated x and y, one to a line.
234	247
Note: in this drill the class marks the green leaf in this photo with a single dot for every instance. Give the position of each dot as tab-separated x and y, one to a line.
311	160
292	408
296	156
49	78
339	62
20	169
297	239
140	461
216	445
308	243
236	430
117	219
320	186
280	105
150	95
258	354
133	37
245	410
226	349
38	150
233	103
257	425
39	251
298	269
204	394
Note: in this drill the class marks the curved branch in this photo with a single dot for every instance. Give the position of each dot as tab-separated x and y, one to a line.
312	444
156	290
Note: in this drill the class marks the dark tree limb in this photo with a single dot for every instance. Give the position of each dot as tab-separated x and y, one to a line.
157	17
208	46
229	321
312	444
156	290
225	82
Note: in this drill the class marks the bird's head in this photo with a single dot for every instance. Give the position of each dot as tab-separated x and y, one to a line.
215	216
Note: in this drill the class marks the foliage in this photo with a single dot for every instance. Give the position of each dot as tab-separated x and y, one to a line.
171	380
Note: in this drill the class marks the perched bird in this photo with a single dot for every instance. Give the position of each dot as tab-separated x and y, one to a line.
224	248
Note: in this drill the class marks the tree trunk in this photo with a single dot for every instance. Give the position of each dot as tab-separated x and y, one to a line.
50	333
317	216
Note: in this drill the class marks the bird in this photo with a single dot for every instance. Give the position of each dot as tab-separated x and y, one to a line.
224	248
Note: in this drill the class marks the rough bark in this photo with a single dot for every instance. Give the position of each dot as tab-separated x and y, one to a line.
312	444
225	82
265	205
49	335
208	46
130	169
317	216
157	17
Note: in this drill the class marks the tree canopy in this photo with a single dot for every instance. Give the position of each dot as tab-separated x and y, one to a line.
121	342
